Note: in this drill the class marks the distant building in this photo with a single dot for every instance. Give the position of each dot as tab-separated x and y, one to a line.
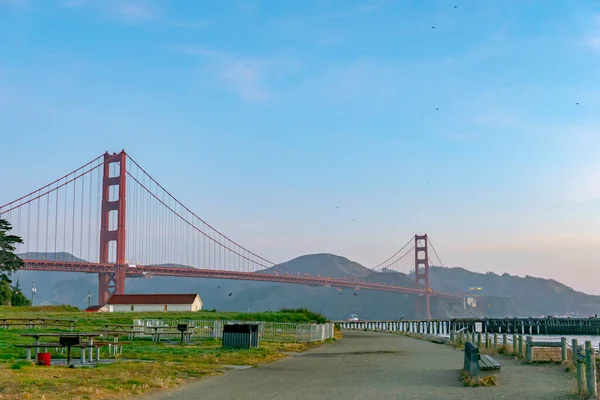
97	308
153	302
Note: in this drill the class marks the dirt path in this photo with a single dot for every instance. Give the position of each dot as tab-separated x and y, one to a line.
373	365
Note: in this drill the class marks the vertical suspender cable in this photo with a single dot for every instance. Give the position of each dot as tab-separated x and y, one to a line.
37	226
56	222
89	235
28	219
47	220
65	226
81	255
73	223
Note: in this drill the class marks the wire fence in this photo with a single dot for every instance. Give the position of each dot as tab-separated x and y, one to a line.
268	331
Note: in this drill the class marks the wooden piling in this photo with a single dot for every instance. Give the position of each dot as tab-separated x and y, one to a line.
520	346
495	340
580	365
529	350
590	369
563	352
515	346
479	339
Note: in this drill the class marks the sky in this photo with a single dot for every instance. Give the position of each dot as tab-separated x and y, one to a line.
474	122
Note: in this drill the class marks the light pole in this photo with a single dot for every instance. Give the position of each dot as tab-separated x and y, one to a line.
33	290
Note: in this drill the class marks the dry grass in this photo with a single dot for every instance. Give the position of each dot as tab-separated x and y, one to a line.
160	366
474	381
168	366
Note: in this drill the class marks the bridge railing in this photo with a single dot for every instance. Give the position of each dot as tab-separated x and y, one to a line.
268	331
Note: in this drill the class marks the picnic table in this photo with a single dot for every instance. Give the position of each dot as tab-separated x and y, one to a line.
38	322
122	329
88	343
161	330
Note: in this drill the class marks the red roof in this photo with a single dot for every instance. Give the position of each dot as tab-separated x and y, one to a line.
94	308
152	299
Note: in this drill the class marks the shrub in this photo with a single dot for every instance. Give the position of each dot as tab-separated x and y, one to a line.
311	315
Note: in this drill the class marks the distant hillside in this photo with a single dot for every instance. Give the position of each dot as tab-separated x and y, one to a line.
505	295
391	278
509	295
324	265
60	256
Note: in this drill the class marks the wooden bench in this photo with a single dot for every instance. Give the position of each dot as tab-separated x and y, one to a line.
474	363
487	363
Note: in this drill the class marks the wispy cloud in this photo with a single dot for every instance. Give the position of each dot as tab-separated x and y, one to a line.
494	118
344	12
591	39
593	42
75	3
135	11
130	11
16	3
243	76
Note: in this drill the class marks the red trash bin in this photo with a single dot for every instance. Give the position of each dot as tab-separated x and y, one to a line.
44	359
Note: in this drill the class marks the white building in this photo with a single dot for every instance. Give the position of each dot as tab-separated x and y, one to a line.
153	302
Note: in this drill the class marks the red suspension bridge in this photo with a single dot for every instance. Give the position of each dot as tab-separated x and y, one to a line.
112	218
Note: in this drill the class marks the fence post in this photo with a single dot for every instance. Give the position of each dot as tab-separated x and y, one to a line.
487	340
590	369
579	363
563	345
451	336
574	351
529	350
520	346
504	339
479	339
495	340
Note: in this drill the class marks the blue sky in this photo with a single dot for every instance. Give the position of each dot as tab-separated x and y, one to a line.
263	116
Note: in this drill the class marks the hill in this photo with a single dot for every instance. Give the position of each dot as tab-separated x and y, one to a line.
510	295
505	295
324	265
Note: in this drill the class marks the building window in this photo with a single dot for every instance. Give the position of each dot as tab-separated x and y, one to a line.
132	307
165	307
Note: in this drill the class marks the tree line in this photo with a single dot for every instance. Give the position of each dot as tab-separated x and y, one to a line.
9	263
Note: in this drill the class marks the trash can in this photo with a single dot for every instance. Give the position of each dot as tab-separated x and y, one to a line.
240	336
43	359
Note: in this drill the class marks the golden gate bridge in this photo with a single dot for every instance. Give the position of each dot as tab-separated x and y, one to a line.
112	218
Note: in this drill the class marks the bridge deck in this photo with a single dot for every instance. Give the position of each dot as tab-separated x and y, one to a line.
369	365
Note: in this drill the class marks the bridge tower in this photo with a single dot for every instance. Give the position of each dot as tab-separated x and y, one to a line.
110	283
422	275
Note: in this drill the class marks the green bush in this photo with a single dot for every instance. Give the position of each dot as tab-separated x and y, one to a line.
311	315
21	364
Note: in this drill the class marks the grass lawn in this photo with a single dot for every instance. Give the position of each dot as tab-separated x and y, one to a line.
160	366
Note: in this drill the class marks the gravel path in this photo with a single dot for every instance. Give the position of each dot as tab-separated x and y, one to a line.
370	365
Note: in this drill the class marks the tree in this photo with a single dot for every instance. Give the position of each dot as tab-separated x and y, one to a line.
5	291
18	298
9	261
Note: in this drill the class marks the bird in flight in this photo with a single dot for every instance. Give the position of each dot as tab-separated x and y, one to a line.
576	104
230	294
455	7
437	109
337	208
433	27
218	287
